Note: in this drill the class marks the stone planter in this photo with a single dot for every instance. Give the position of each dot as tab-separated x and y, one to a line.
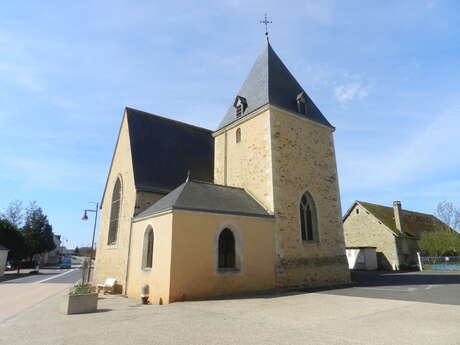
78	304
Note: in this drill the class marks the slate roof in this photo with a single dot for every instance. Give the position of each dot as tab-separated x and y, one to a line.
414	223
270	82
164	150
207	197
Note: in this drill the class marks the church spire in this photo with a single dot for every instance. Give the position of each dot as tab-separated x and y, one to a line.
270	82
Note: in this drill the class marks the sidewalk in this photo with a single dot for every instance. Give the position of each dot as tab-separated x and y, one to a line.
17	298
291	319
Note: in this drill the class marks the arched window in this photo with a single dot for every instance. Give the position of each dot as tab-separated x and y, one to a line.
308	218
147	259
226	250
238	135
114	213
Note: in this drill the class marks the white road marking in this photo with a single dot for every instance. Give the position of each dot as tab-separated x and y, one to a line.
383	289
54	277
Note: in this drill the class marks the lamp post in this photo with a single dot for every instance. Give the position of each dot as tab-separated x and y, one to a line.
85	217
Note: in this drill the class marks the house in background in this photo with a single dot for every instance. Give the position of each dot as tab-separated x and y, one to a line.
391	230
53	256
3	256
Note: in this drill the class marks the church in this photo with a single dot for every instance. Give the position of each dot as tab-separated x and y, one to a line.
251	207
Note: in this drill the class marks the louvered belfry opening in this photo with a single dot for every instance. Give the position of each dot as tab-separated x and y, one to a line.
226	250
238	110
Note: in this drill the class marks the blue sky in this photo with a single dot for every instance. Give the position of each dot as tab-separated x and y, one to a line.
385	73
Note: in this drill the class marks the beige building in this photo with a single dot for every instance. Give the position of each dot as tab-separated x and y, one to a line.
253	206
3	256
391	230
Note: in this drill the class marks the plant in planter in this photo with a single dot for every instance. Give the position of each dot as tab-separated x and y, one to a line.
80	299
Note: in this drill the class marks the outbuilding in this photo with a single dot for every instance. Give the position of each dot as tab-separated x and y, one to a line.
362	258
394	232
3	256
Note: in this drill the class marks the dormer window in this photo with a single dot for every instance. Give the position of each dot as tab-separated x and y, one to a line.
240	105
302	103
239	110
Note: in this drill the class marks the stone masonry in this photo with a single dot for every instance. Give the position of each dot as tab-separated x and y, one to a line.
304	159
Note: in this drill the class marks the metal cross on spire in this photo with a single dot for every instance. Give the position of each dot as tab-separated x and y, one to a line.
266	22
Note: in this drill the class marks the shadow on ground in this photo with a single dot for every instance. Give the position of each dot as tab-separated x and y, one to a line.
440	288
361	278
426	287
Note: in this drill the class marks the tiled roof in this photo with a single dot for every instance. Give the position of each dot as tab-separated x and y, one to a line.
414	223
207	197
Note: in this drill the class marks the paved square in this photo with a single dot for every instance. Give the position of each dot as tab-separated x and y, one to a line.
338	317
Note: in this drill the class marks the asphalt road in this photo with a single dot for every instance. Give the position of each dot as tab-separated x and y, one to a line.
427	287
50	276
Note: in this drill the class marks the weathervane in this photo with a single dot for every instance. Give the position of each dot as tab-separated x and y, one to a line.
266	22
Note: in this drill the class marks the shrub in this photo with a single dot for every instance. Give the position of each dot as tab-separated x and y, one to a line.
81	289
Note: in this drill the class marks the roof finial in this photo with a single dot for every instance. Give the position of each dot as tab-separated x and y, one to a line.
266	22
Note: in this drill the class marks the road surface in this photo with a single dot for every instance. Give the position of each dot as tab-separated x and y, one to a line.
19	295
426	287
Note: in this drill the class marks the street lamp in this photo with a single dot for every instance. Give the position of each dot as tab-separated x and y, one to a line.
85	217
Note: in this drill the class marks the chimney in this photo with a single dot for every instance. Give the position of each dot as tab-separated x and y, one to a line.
398	216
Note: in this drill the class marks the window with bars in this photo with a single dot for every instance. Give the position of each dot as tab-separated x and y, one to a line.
308	218
114	213
226	250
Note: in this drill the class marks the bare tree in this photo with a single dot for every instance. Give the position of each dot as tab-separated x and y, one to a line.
449	214
14	213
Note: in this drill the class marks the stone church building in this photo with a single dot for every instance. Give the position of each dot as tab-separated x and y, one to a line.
253	206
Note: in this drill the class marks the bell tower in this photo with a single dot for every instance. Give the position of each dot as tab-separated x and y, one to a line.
275	143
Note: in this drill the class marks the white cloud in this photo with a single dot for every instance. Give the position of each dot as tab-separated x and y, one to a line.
351	91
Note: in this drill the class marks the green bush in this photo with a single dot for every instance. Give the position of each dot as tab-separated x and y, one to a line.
81	289
439	243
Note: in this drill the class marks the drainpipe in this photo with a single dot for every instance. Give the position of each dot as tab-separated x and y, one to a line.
129	255
225	158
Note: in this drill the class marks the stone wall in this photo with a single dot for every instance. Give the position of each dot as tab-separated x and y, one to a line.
407	248
144	200
111	260
304	160
246	164
362	229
